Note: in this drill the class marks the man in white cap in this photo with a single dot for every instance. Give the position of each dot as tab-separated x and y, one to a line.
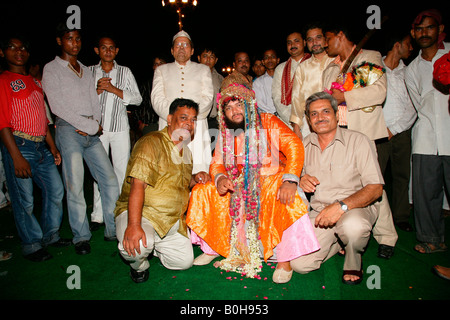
189	80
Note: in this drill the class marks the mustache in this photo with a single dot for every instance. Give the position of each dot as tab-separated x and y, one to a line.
425	37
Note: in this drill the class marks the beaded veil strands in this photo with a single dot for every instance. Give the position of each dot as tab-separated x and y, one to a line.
244	256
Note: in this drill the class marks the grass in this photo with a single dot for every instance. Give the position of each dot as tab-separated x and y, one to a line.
104	276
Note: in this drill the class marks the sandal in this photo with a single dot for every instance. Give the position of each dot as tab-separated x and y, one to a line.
426	248
358	273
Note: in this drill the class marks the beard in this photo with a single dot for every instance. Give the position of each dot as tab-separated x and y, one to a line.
235	125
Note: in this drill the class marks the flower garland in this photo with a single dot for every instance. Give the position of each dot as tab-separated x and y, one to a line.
244	256
361	76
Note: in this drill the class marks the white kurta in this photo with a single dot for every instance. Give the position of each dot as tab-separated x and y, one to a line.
192	81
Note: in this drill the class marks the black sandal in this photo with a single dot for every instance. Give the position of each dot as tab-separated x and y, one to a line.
358	273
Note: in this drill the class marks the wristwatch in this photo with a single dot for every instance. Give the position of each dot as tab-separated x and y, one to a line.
344	207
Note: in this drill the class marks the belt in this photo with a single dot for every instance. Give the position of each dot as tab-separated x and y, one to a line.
29	137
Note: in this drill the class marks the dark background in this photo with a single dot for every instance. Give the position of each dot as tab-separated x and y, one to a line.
145	28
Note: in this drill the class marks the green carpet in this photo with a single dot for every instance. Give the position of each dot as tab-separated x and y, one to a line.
104	275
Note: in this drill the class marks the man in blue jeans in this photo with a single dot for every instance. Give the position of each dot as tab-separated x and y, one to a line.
70	88
27	159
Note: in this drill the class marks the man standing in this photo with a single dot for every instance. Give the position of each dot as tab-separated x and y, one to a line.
150	210
253	193
283	78
263	84
29	154
240	75
70	88
116	88
308	78
360	109
430	134
209	58
400	115
342	195
185	79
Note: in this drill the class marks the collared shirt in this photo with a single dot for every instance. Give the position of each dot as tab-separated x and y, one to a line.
156	161
22	105
345	166
114	109
398	110
263	93
72	97
431	132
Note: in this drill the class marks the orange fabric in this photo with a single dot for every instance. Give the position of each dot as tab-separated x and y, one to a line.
208	213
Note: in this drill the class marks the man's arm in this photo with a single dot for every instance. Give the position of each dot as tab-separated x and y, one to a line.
21	165
206	102
360	199
134	232
158	97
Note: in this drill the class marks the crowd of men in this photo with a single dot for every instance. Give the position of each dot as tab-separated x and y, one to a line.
288	166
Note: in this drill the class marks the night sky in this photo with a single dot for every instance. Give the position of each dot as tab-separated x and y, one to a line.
145	29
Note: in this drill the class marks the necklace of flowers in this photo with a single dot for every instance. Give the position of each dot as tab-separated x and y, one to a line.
244	258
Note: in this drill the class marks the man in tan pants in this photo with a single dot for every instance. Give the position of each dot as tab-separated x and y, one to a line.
341	171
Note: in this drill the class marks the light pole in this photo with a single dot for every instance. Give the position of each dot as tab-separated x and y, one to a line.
179	5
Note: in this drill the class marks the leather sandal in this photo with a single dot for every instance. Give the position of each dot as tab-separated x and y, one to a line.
358	273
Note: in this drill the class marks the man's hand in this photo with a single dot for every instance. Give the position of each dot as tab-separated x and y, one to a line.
104	84
308	183
286	193
338	95
329	216
224	185
131	238
200	177
22	167
84	134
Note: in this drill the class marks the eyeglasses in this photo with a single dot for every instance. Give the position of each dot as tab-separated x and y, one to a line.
182	44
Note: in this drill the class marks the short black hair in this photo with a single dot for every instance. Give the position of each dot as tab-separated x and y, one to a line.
312	25
106	35
62	29
335	28
180	102
4	41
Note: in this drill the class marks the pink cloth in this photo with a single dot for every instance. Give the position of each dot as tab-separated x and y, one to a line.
297	240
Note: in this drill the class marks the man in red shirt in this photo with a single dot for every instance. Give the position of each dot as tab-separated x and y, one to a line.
25	136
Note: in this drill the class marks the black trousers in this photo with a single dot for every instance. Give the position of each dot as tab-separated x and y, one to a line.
430	174
398	151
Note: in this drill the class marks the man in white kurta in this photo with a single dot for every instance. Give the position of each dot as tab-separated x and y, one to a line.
189	80
308	79
284	76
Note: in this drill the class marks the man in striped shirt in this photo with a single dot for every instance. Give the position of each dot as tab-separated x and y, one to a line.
116	89
27	159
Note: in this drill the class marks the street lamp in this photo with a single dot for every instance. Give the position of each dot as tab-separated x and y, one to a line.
179	4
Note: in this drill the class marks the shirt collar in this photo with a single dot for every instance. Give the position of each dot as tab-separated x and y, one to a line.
65	63
181	66
314	139
99	65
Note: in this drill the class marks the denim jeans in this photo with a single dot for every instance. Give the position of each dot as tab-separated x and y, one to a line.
46	176
75	148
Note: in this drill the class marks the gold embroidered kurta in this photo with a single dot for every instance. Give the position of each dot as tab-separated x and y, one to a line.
167	172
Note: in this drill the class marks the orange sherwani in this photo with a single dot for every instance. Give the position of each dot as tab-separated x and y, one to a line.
208	213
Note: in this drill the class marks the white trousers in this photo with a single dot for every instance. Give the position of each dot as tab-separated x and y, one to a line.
174	250
119	144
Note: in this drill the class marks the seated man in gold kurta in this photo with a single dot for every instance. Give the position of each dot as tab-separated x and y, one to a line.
155	195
